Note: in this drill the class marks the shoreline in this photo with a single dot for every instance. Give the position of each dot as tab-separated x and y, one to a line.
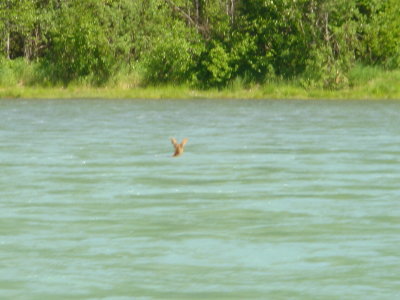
362	83
266	92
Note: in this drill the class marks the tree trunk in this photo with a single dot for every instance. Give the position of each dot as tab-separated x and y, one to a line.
197	22
197	8
28	48
8	44
230	9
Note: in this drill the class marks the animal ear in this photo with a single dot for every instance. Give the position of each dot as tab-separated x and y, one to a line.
184	141
174	142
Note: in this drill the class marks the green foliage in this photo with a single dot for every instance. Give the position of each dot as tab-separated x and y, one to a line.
16	72
361	74
80	49
215	68
315	40
172	55
382	35
268	39
16	22
207	43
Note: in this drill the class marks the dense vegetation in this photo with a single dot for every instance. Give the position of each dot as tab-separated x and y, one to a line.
199	43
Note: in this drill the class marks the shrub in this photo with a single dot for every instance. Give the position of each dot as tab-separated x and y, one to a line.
215	69
80	49
382	36
16	71
168	61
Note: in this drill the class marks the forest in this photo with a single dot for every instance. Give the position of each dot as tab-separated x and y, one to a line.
199	43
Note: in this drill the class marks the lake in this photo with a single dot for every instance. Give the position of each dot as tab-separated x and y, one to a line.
271	199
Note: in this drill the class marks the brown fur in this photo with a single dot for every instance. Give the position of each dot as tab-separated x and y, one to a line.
178	147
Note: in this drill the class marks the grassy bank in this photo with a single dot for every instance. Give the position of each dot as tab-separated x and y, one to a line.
21	81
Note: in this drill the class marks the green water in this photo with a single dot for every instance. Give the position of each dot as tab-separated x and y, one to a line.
271	200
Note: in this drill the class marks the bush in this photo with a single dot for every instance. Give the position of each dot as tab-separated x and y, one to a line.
382	36
170	60
17	71
80	50
215	69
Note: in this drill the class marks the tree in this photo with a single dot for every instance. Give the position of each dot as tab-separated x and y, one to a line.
79	46
381	35
172	48
311	38
17	19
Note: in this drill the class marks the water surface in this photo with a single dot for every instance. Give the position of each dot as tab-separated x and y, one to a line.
271	200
